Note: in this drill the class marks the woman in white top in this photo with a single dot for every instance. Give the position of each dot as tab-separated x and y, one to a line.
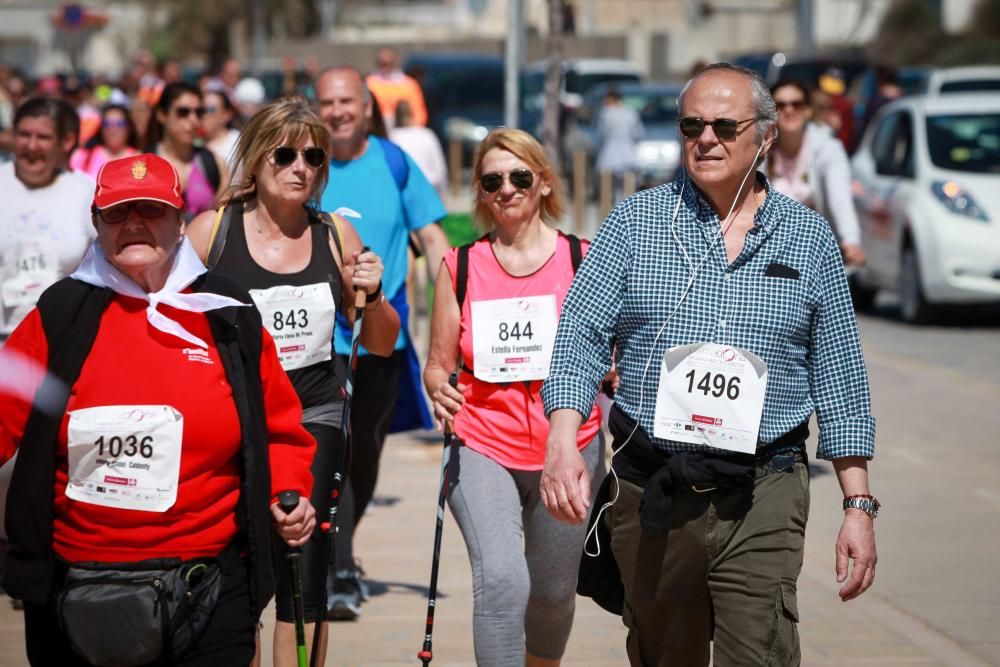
810	165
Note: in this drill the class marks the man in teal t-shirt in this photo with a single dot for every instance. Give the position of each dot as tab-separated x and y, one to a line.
386	196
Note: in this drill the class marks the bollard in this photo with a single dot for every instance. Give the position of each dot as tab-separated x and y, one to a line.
579	189
628	184
455	165
607	193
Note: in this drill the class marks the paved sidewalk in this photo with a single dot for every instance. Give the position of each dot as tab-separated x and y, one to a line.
395	543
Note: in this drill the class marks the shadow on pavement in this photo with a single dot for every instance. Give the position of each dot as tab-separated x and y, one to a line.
377	588
946	317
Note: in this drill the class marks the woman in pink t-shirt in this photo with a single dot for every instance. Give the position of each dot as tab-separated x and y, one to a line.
512	283
116	138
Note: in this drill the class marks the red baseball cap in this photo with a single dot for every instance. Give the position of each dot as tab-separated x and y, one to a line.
145	176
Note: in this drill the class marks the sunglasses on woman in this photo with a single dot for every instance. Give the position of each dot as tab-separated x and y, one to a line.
285	155
147	210
519	178
114	122
795	105
725	129
184	112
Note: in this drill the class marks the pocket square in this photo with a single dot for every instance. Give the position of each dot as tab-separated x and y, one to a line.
775	270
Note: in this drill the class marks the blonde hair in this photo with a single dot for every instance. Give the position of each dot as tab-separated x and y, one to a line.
526	148
290	120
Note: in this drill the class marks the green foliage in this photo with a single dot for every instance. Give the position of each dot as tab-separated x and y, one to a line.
911	34
986	20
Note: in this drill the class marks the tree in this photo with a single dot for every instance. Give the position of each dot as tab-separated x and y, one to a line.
197	27
910	33
551	138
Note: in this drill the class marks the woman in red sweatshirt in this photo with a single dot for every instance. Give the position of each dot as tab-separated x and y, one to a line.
152	421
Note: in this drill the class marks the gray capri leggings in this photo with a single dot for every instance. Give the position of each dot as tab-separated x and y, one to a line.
524	562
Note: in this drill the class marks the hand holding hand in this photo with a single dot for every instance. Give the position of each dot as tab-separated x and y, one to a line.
565	485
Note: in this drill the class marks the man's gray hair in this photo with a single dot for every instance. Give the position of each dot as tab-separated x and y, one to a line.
766	111
366	95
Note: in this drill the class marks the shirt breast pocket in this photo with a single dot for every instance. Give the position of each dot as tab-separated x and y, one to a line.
777	305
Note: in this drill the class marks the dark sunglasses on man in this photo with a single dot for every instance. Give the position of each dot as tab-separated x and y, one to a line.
519	178
145	209
285	155
725	129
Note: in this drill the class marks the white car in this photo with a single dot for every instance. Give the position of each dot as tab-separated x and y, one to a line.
968	79
927	190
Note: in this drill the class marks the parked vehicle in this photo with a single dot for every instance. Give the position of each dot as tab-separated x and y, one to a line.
971	79
464	93
927	190
659	149
579	76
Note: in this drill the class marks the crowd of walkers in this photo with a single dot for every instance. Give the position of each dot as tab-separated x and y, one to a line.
205	343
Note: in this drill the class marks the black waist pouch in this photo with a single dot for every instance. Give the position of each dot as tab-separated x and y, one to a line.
137	614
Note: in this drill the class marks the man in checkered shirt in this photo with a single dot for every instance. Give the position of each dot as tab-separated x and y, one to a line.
728	309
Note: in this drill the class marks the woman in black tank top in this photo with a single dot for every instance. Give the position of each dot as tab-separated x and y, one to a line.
301	269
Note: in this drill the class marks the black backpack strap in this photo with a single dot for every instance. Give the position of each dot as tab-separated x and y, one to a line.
218	241
206	158
462	274
575	251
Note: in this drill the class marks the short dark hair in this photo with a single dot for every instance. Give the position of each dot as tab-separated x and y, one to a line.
62	113
794	83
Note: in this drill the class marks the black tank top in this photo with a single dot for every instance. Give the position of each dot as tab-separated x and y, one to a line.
296	308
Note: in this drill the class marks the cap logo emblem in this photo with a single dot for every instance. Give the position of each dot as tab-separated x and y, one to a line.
138	170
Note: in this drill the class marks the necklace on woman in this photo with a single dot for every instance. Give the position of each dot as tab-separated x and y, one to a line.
274	242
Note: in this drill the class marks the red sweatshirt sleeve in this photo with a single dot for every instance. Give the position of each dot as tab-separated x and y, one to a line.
23	360
291	448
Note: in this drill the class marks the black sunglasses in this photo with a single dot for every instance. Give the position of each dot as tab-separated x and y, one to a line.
725	129
147	210
797	105
184	112
519	178
285	155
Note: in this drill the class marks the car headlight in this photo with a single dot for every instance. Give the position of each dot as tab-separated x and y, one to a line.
464	129
957	200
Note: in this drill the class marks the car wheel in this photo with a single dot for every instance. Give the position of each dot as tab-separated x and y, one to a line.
912	304
862	296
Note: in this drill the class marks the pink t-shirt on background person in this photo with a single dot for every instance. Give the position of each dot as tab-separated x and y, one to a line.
90	160
506	422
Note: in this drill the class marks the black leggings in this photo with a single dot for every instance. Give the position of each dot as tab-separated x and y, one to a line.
228	640
376	385
315	552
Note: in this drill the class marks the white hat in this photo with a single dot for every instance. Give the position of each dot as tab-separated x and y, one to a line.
249	91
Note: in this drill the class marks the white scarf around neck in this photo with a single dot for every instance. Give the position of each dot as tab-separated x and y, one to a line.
95	269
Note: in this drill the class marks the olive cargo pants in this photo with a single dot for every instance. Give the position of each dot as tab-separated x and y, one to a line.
725	572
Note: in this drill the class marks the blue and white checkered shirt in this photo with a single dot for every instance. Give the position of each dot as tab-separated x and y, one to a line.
802	327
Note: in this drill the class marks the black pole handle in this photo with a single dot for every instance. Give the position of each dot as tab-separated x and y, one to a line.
453	380
288	501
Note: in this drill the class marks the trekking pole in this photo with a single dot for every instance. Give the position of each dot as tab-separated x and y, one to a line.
426	654
288	501
329	527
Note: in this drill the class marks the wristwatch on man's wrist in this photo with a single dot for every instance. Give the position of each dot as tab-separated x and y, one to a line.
867	504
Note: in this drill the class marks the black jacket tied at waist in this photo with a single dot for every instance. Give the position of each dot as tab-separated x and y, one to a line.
662	474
